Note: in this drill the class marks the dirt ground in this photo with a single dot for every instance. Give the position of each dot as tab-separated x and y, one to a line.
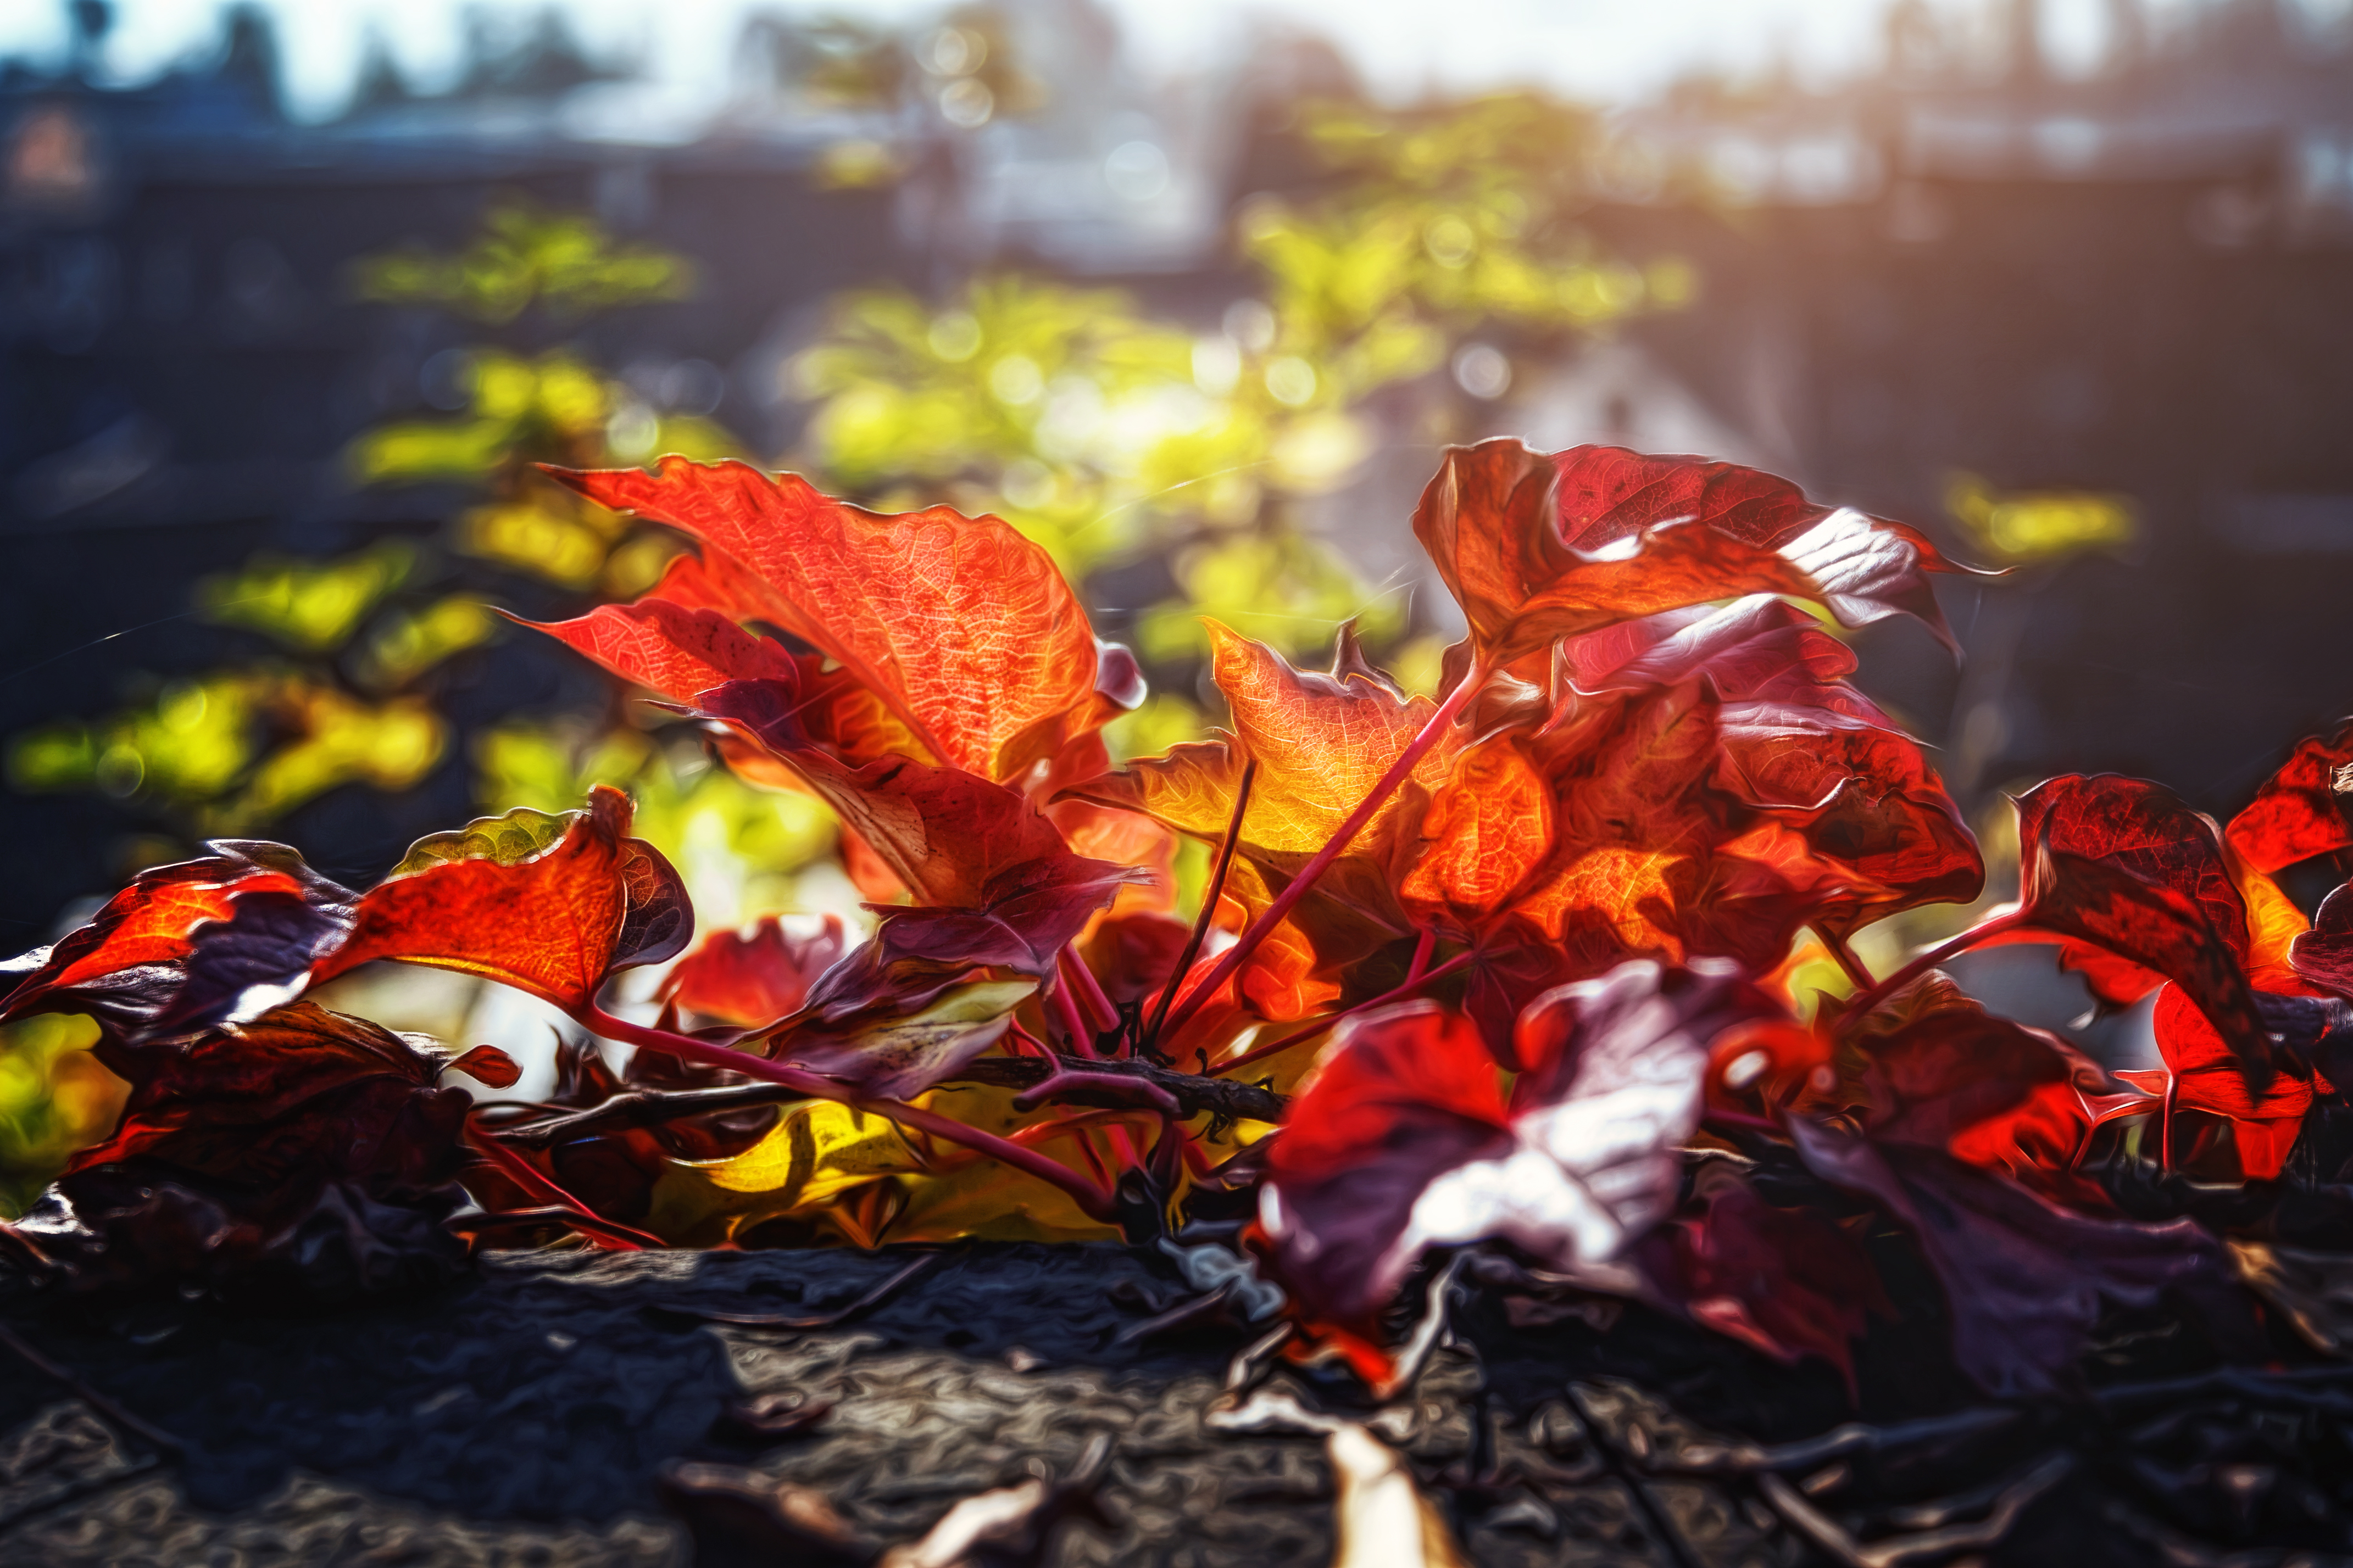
542	1412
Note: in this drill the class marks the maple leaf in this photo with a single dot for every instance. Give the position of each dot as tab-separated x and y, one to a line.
222	939
2298	814
1535	548
548	904
2024	1277
1402	1140
960	626
755	978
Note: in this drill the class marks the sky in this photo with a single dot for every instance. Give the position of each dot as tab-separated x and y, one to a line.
1601	50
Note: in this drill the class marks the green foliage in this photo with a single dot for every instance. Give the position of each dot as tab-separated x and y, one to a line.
525	256
54	1098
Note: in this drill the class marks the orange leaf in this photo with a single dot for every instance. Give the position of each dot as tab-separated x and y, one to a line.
959	625
677	652
1489	827
549	904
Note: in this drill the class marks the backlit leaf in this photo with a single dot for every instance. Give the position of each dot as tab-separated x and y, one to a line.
2298	814
218	940
960	624
549	904
755	978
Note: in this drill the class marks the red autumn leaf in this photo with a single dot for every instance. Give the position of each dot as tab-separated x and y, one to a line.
756	978
1785	1281
1943	1073
960	626
1398	1143
302	1096
549	904
899	1054
1489	829
2299	813
1867	568
1757	649
2206	1077
956	840
2024	1277
2136	886
1535	548
217	939
489	1065
1865	802
1403	1096
2143	829
2323	955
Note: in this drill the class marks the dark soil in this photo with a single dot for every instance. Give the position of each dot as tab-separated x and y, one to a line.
524	1417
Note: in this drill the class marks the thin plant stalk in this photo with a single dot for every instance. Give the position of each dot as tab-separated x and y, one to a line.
1209	896
540	1185
1835	945
1337	844
1092	1199
1941	954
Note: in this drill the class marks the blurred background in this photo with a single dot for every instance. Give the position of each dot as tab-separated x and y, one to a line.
291	298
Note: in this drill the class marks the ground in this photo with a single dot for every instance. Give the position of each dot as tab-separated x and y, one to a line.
543	1412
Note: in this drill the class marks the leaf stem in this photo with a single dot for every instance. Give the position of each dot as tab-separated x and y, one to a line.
1422	947
1334	848
1857	975
532	1180
1209	896
1258	1053
1093	1199
1083	1039
1098	1010
1942	953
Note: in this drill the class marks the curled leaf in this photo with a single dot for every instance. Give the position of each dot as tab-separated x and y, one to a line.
1396	1144
218	940
2299	813
548	904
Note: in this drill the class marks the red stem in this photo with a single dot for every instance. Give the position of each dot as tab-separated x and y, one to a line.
1300	885
1090	991
532	1180
1422	946
1083	1039
1872	997
1092	1199
1258	1053
1856	974
2165	1124
1210	897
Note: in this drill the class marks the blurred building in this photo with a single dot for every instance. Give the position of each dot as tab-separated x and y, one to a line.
2132	281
